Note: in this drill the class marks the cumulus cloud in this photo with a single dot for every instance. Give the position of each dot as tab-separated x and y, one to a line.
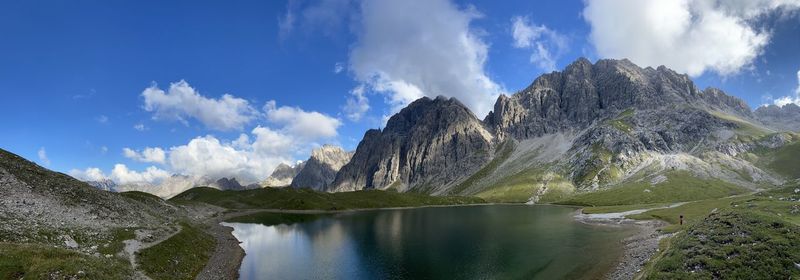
89	174
140	127
357	104
436	53
691	36
249	158
42	153
156	155
248	161
151	175
785	100
121	174
181	102
300	123
546	44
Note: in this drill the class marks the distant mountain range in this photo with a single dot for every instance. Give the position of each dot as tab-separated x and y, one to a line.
588	127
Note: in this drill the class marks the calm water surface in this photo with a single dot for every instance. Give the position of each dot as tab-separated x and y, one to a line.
473	242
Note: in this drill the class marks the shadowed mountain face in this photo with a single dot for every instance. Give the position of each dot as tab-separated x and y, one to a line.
428	145
590	126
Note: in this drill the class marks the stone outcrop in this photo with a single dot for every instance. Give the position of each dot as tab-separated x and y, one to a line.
320	169
283	175
781	118
429	145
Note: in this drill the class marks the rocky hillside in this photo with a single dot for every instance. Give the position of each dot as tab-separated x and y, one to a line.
429	145
786	117
41	206
589	127
320	169
282	175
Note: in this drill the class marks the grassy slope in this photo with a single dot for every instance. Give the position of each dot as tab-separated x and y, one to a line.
305	199
519	187
182	256
786	161
503	152
744	128
680	186
732	244
742	237
18	261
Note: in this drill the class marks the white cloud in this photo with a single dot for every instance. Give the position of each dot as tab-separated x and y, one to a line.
797	90
152	175
327	16
357	104
103	119
302	124
247	161
547	45
140	127
122	175
90	174
691	36
42	153
182	102
436	53
103	150
156	155
338	67
785	100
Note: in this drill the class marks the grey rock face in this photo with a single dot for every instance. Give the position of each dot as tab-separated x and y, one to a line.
784	118
320	169
282	175
106	185
584	93
427	146
228	184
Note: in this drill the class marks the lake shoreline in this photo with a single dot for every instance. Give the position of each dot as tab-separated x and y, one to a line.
638	249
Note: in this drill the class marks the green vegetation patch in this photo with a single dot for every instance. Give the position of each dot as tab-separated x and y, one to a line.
743	128
182	256
522	186
28	261
680	186
732	244
786	161
621	123
306	199
503	153
115	241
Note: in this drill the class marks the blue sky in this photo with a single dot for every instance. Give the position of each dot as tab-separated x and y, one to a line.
83	80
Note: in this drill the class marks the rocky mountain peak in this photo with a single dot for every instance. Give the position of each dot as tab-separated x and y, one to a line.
783	118
283	175
430	136
320	169
585	92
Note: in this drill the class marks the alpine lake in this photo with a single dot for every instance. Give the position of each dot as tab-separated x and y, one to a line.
460	242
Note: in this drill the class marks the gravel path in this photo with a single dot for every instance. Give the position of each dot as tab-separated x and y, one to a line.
144	239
